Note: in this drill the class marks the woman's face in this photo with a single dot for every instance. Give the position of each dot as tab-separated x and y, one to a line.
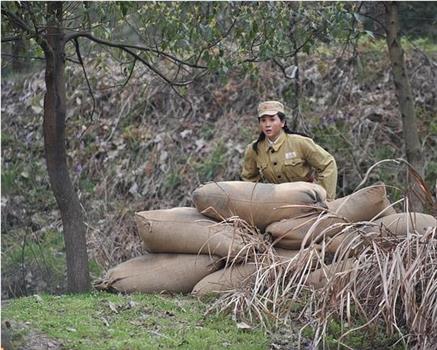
271	126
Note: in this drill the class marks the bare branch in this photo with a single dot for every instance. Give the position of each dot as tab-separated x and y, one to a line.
76	44
130	74
284	69
22	25
31	11
128	49
88	35
156	71
17	21
383	26
210	46
71	60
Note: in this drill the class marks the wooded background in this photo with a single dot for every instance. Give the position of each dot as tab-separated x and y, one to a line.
111	108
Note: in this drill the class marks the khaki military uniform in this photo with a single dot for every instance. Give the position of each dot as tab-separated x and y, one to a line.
291	158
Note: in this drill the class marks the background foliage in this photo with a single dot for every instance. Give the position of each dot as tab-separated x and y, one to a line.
147	146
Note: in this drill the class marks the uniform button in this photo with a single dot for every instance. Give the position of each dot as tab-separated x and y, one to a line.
275	163
279	176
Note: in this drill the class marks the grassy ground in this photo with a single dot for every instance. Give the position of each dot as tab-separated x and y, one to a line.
101	320
109	321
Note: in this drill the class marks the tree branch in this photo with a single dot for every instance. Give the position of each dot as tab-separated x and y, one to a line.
17	21
130	74
156	71
71	60
210	46
30	11
383	26
22	25
128	49
79	56
122	46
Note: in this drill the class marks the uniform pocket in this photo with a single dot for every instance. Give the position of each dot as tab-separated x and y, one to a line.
293	162
296	169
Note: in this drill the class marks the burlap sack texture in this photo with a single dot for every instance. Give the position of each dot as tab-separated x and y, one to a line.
154	273
259	204
234	277
362	205
185	230
229	278
399	224
291	233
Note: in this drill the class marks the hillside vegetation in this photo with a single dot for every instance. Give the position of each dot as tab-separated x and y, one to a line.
145	147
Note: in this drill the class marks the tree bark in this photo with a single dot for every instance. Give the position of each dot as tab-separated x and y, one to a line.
54	142
403	91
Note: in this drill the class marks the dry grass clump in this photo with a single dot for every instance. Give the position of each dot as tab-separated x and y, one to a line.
265	297
375	277
252	242
392	279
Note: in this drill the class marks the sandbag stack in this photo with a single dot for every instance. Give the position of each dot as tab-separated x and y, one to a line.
188	247
184	246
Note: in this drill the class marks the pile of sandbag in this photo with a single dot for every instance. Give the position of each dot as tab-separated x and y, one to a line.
189	247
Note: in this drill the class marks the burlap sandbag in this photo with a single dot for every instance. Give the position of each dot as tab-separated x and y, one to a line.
159	272
396	224
286	254
229	278
320	277
401	223
290	233
362	205
185	230
342	240
257	203
234	277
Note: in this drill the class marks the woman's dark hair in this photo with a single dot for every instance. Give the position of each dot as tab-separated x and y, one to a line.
262	136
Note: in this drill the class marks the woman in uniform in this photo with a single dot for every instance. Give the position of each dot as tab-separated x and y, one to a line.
280	155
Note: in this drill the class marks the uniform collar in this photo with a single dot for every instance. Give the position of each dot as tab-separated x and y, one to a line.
278	142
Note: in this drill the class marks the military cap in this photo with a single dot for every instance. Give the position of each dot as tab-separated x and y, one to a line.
270	108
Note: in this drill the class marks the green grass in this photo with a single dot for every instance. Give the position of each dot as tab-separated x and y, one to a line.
40	255
371	338
138	321
207	130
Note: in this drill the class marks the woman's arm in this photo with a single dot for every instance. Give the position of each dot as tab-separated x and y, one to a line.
324	164
250	170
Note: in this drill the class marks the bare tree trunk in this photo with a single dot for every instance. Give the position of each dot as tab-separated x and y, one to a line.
403	92
54	142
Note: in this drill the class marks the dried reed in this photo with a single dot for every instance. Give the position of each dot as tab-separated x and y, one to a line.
374	276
